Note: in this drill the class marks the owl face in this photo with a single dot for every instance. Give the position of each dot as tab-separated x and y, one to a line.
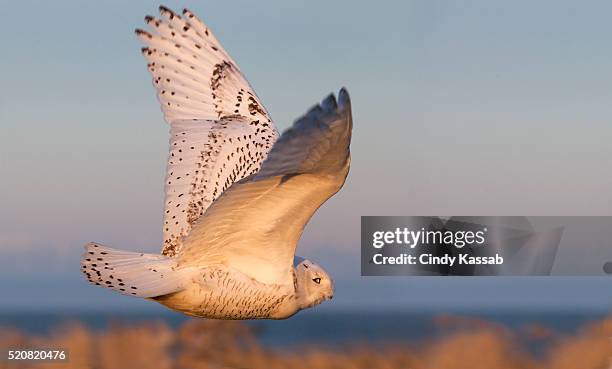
314	283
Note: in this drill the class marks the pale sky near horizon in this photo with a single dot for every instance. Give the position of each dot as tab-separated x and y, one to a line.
460	108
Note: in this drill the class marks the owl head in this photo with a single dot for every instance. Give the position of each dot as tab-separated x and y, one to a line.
313	284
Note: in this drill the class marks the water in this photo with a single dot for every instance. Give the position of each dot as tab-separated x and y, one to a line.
325	328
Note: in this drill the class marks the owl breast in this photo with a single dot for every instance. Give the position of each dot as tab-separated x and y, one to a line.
221	293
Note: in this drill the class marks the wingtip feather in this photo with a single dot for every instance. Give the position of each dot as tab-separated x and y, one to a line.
140	32
329	103
165	11
344	99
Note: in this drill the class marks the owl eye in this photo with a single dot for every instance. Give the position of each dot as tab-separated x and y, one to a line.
317	280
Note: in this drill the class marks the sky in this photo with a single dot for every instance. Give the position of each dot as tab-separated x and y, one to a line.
460	108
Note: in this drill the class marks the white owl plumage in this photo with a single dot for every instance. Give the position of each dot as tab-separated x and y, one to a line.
237	196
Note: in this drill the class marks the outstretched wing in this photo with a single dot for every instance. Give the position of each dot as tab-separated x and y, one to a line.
220	131
255	225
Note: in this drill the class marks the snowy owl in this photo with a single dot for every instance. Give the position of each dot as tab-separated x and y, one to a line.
237	196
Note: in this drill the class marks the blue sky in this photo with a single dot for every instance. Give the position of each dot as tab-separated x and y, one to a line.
460	108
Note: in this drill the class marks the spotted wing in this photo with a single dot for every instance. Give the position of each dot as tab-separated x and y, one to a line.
255	225
220	131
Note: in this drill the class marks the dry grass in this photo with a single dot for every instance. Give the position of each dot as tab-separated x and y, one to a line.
208	344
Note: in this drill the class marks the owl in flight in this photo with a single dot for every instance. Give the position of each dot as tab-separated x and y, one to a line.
238	194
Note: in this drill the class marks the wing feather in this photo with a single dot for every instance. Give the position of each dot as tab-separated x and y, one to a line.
255	225
220	131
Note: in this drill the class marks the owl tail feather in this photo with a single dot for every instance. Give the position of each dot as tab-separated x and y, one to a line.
133	273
